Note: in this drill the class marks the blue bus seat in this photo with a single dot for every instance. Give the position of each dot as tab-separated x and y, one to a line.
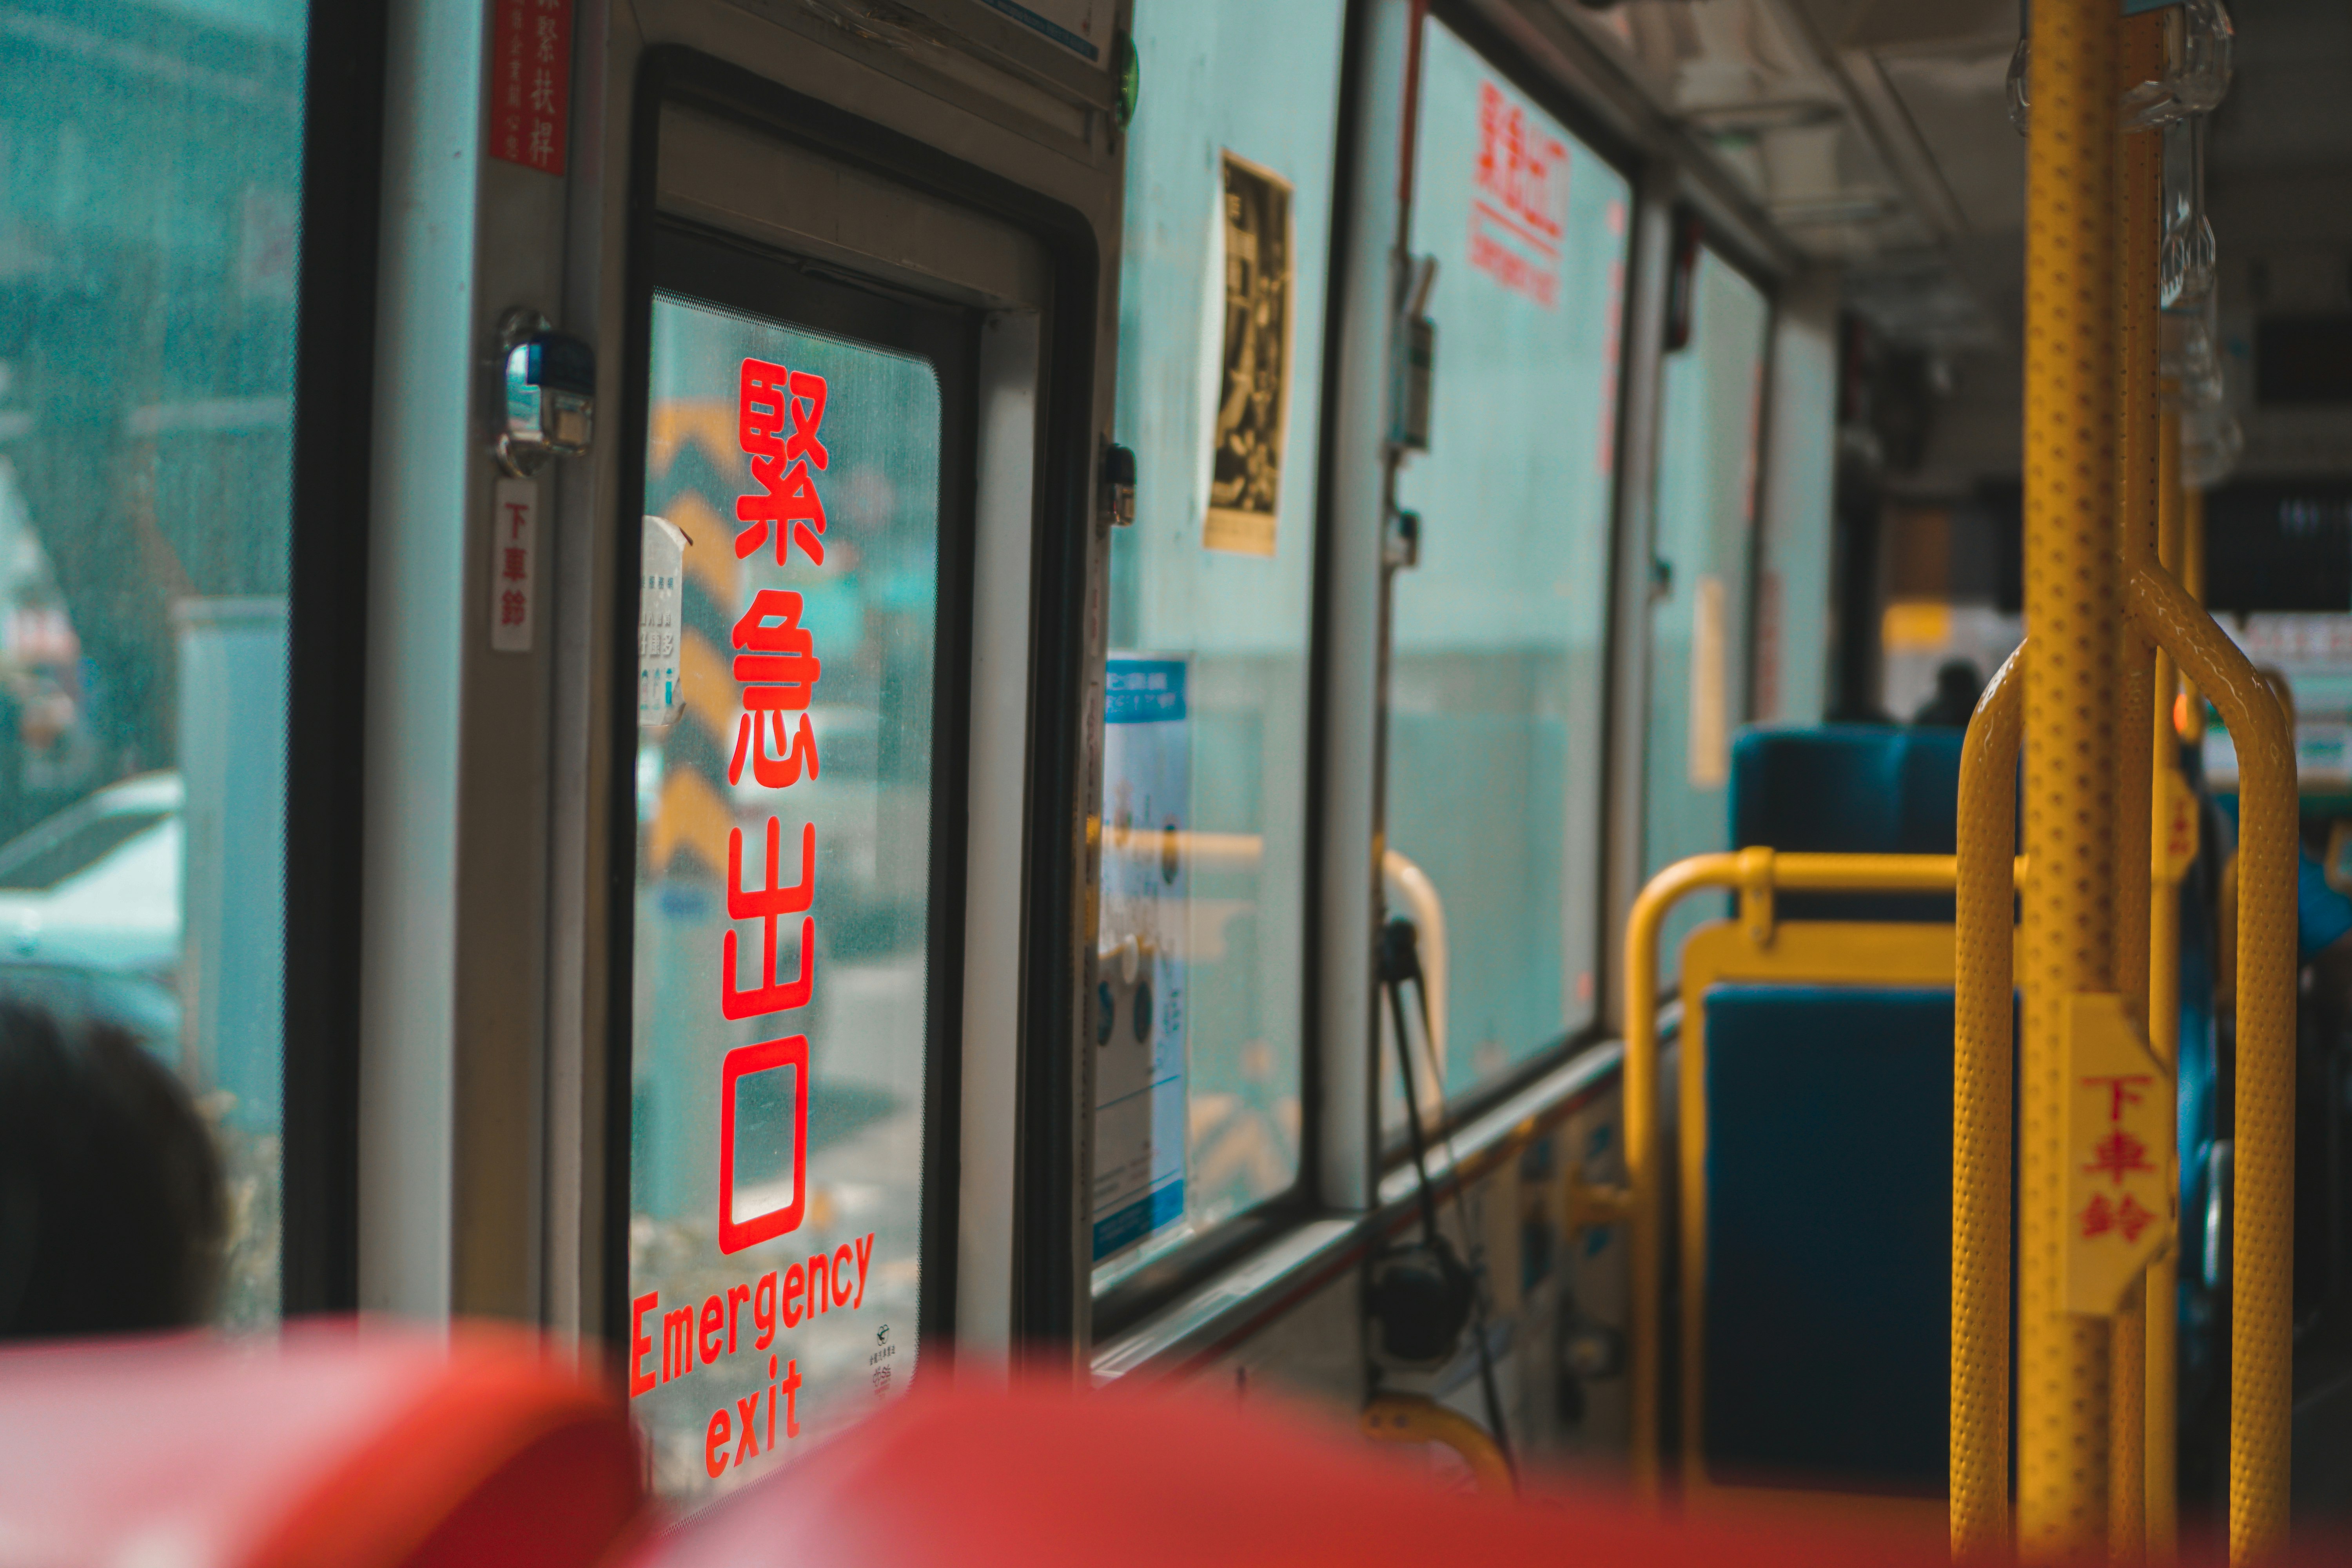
1826	1239
1827	1236
1850	789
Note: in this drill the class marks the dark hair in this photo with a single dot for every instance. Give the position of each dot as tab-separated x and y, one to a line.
111	1199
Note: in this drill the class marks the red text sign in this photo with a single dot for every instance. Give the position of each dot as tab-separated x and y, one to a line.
779	424
1519	210
531	81
2119	1137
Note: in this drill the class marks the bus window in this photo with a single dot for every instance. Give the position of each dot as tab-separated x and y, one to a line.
788	960
1200	1012
1494	733
1710	406
155	159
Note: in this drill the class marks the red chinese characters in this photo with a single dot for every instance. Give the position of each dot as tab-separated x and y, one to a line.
531	83
514	565
778	666
2117	1157
780	414
2129	1216
1519	210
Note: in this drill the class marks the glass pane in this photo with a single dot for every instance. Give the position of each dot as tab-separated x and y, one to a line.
1198	1017
1710	405
782	912
1494	739
150	183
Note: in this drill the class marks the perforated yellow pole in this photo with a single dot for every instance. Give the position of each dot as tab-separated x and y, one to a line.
2070	741
2139	169
2262	1261
2164	1022
1983	1040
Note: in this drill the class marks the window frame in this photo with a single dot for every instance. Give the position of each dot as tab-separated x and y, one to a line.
1508	60
1146	1290
345	57
710	268
1049	1273
1703	234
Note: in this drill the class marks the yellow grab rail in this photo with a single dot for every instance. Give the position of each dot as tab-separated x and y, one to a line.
1246	852
1983	1030
2261	1264
1413	1418
2173	814
1756	874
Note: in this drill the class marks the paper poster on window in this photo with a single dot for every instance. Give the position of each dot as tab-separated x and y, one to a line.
1253	390
661	598
1138	1014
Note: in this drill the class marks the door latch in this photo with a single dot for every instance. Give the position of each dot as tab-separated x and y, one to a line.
547	390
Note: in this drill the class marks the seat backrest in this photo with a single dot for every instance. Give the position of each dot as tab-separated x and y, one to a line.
1851	789
366	1447
1827	1236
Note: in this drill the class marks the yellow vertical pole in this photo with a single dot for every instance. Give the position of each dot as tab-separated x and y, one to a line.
2192	540
2070	741
2139	171
2164	1023
2192	577
2262	1258
1984	1011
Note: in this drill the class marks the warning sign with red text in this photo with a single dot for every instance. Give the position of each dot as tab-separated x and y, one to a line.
1519	210
531	81
2120	1150
781	1030
514	545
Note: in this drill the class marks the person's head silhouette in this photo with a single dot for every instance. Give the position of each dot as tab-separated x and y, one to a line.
110	1196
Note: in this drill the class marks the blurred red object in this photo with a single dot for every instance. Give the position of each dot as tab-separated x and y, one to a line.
328	1446
1039	1477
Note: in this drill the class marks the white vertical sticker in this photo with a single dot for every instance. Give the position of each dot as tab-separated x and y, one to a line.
661	594
1709	716
514	545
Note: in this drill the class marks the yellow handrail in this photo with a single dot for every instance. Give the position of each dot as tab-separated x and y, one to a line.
1983	1029
2168	791
1411	1418
1246	851
1757	873
2262	1266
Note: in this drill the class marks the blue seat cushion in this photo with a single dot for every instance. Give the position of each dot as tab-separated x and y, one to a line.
1828	1160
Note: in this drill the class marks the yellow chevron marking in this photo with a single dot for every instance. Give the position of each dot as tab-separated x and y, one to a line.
689	816
710	547
678	420
707	688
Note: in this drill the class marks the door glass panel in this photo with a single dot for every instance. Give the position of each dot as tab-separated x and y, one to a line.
1200	1012
1494	736
1711	403
782	887
150	176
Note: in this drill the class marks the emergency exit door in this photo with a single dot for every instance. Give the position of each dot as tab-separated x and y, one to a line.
795	917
